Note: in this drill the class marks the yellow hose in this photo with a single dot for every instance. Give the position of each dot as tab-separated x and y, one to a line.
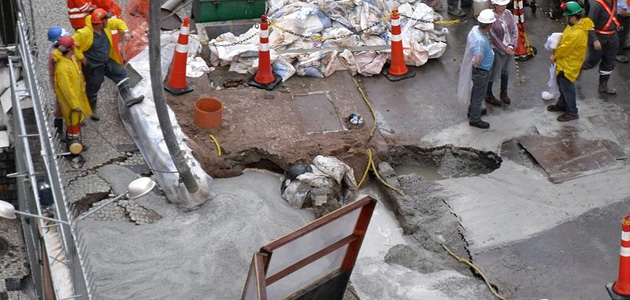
365	99
483	275
216	143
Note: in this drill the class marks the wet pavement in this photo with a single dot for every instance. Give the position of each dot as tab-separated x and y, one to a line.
533	237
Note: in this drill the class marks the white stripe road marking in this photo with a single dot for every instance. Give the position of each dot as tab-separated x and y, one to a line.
625	252
181	48
396	38
625	236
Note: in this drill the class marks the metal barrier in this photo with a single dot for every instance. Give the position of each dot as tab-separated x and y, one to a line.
60	245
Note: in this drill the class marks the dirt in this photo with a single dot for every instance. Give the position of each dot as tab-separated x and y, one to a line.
269	129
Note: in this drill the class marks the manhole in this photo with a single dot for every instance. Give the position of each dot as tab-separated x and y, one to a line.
4	246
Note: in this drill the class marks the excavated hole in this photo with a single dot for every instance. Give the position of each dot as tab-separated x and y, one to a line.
265	164
443	162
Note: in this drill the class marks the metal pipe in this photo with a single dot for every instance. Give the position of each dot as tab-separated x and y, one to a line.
179	160
41	217
81	217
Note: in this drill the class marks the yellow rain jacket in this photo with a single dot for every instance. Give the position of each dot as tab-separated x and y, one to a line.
84	37
70	89
571	50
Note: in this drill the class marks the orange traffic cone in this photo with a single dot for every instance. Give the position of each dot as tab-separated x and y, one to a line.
524	50
176	79
621	288
264	79
397	69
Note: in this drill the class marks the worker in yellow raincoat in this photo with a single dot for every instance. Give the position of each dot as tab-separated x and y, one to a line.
96	51
70	90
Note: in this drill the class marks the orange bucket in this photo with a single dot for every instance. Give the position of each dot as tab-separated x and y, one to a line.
208	113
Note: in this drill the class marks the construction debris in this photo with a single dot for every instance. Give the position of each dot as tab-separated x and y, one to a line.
323	185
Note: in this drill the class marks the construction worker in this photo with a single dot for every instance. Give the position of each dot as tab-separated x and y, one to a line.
604	42
568	57
504	36
96	52
70	90
77	11
623	15
54	34
475	68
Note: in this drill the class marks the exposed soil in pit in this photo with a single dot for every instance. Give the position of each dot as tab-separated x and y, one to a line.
263	129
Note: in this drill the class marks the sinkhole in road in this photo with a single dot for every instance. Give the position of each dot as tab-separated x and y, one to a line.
442	162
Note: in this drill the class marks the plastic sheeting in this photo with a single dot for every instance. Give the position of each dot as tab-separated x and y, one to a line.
333	26
142	123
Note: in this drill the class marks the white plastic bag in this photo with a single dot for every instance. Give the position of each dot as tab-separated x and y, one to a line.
552	84
553	40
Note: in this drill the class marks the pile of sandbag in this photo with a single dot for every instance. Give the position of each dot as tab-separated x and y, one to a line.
319	24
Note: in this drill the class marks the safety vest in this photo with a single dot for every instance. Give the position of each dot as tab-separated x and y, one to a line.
77	11
611	18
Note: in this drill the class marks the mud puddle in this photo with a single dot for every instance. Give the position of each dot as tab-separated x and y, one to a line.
442	162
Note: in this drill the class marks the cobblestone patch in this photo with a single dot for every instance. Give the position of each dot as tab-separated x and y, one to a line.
89	185
111	212
13	261
139	214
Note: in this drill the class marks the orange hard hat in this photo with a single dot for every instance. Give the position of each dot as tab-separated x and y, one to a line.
99	16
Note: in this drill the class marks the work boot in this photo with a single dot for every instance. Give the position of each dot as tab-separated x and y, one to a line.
479	124
603	85
622	59
94	115
494	101
504	98
125	93
567	117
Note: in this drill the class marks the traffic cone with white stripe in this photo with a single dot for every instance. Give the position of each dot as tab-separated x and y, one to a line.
524	50
264	79
176	79
397	68
620	290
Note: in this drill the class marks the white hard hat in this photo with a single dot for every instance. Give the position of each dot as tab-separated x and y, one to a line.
486	16
500	2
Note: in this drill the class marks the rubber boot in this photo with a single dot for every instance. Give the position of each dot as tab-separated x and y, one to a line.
603	85
94	115
125	93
